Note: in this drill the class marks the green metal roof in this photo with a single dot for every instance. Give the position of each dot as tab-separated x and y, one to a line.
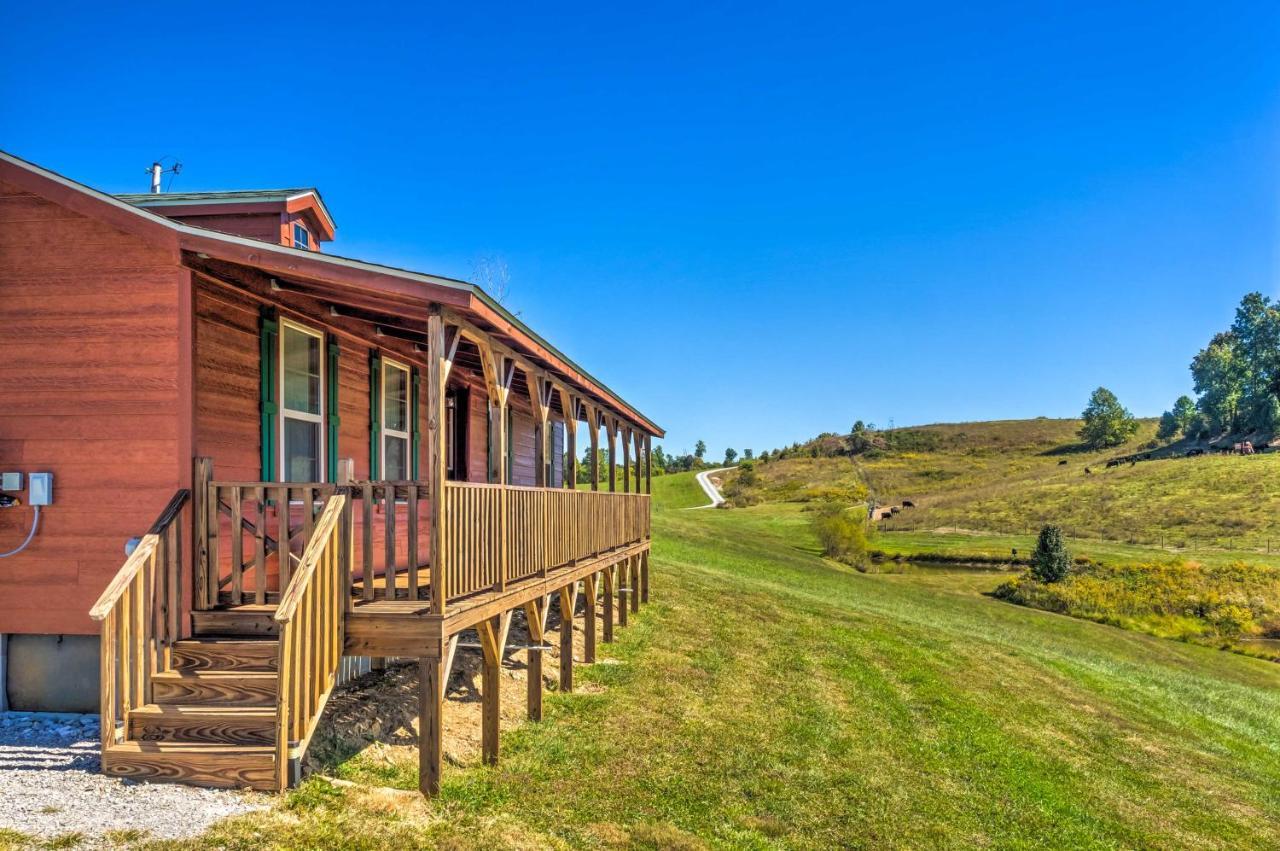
235	196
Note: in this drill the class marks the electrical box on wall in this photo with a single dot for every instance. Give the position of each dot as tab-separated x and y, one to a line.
10	481
41	488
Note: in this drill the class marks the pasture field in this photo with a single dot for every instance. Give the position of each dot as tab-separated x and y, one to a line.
1009	478
768	698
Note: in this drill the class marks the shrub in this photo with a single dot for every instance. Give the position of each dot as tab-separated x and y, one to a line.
842	533
1050	562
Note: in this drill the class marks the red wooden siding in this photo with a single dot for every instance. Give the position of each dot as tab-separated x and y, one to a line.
89	374
478	443
522	466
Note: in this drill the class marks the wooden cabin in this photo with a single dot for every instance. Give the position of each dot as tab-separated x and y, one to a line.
255	462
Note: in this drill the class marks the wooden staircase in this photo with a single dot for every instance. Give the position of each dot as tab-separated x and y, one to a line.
234	700
213	716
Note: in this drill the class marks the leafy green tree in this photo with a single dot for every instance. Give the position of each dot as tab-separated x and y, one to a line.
747	455
699	450
1183	420
659	458
1106	421
1050	562
1219	373
730	455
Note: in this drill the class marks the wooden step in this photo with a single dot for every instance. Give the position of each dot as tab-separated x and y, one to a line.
226	654
226	766
245	620
243	688
200	723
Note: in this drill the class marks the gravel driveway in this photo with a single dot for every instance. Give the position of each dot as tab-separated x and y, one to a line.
50	785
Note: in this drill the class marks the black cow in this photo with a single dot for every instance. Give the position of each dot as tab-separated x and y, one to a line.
1062	462
1088	472
906	503
1191	453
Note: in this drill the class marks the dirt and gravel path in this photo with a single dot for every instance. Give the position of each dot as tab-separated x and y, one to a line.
708	487
51	787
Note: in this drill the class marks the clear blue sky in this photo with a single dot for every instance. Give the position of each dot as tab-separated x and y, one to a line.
757	222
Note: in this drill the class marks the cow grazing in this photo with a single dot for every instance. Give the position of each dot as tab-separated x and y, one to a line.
906	503
1062	463
894	510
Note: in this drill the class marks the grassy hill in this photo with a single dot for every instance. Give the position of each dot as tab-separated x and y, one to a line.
769	698
1011	477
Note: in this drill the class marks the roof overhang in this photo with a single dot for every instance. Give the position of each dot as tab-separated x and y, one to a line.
401	284
305	202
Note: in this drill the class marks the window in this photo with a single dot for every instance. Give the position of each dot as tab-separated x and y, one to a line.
302	403
395	421
301	239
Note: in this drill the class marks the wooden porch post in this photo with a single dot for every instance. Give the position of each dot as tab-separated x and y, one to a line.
493	640
639	439
541	411
624	576
611	429
431	687
644	577
635	582
626	459
568	601
594	420
535	613
648	463
437	374
590	589
202	496
571	427
608	604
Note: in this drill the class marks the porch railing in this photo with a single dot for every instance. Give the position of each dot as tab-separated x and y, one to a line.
496	534
311	635
251	536
140	613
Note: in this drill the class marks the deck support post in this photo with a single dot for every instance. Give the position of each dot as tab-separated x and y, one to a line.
644	577
639	444
607	594
590	589
634	584
568	599
493	639
431	688
624	575
535	613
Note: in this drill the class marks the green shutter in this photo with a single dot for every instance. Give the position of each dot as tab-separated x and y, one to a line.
375	413
334	421
268	404
414	431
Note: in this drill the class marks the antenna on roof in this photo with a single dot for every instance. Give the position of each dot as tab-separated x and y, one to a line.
157	170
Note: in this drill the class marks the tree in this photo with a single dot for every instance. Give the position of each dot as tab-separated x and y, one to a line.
1182	421
747	455
699	450
659	458
729	456
1050	562
1219	375
1106	421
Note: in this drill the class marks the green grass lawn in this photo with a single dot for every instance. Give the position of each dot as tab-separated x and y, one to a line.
769	698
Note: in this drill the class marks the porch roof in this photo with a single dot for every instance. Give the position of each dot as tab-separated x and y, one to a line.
388	281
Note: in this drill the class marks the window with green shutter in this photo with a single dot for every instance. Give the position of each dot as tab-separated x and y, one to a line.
415	430
333	421
268	404
375	413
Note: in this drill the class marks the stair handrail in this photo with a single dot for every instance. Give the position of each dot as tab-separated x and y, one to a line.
310	624
139	611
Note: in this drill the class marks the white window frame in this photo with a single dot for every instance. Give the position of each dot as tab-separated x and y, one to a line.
298	226
306	416
406	435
